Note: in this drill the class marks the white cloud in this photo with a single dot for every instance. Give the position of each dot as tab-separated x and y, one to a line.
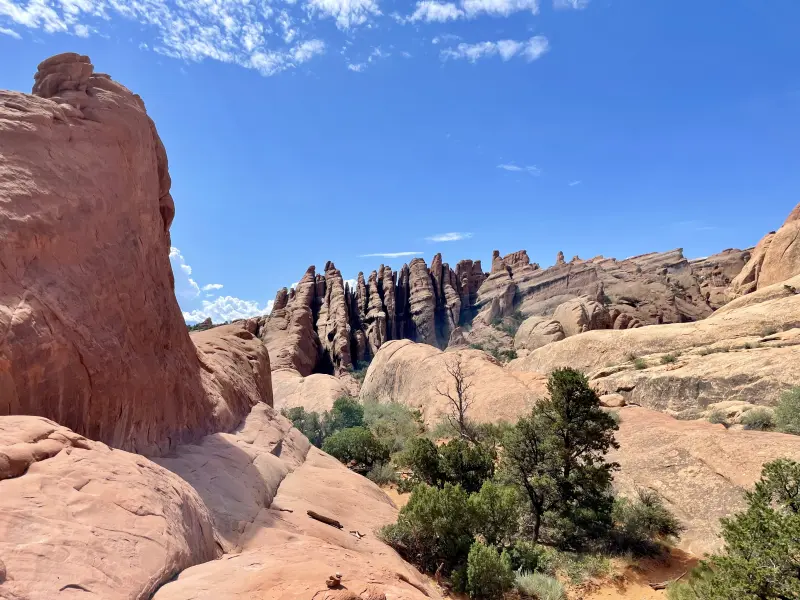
447	37
212	286
390	254
11	32
357	67
348	13
530	50
227	308
504	8
573	4
351	282
439	12
453	236
81	30
530	169
574	183
185	286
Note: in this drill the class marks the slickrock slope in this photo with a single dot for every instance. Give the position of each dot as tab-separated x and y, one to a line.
93	336
406	372
316	392
774	259
746	352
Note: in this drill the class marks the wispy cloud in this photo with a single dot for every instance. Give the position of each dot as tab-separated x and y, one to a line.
390	254
574	183
473	8
530	169
11	32
436	12
348	13
185	286
571	4
529	50
358	67
212	286
453	236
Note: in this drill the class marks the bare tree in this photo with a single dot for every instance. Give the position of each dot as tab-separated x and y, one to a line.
459	398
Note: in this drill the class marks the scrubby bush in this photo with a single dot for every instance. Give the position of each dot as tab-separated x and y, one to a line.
761	556
642	524
489	574
360	370
347	412
787	412
540	586
639	364
421	457
668	358
309	423
433	528
466	464
718	417
580	567
356	446
495	512
527	556
382	473
758	419
394	424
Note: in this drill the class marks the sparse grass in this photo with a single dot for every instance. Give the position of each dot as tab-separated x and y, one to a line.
768	331
718	417
382	473
787	413
707	351
758	419
639	364
580	567
540	586
691	414
668	359
360	370
476	346
630	356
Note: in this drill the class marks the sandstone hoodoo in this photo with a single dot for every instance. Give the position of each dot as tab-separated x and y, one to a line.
97	369
437	305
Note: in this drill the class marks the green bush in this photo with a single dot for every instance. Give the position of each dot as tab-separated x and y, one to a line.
489	574
787	412
466	464
761	556
758	419
718	417
347	412
394	424
580	567
433	528
360	370
495	512
356	447
540	586
642	524
668	358
527	556
310	424
382	473
639	364
421	457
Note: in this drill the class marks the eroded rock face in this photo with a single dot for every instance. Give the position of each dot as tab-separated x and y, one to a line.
536	332
94	338
315	392
774	259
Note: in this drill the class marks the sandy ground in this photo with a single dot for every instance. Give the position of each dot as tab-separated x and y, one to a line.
399	499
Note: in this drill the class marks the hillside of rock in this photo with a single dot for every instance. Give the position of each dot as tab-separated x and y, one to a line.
96	362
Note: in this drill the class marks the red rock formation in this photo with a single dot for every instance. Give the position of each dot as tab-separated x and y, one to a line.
93	336
422	303
333	323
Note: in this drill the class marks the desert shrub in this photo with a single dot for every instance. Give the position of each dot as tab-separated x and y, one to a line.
310	424
642	524
759	419
489	573
787	412
421	457
433	528
539	586
527	556
476	346
507	355
630	357
495	512
347	412
394	424
382	473
639	364
768	331
466	464
360	370
668	358
718	417
580	567
356	446
761	556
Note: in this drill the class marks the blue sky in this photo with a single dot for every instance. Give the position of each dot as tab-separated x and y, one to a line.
314	130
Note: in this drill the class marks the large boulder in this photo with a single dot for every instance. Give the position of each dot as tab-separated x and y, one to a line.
535	332
93	336
315	392
582	314
774	259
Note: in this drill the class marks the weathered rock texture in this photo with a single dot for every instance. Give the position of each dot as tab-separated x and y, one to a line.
445	307
774	259
745	352
315	392
93	337
407	372
92	334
